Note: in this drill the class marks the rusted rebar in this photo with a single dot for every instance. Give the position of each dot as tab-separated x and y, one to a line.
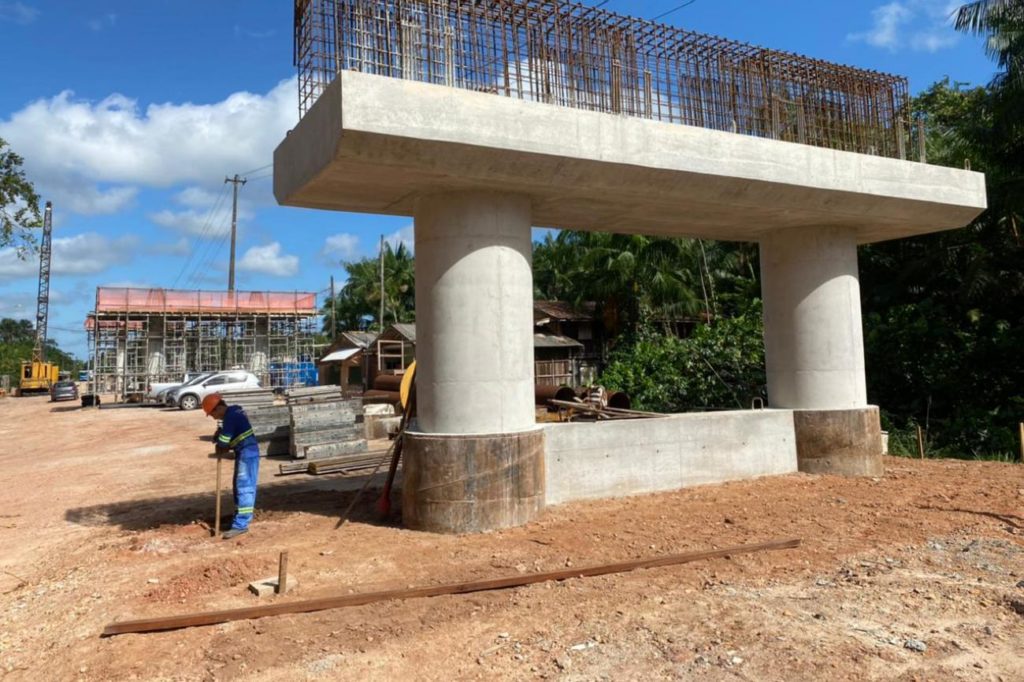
569	54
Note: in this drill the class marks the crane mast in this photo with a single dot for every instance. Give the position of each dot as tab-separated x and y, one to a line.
43	301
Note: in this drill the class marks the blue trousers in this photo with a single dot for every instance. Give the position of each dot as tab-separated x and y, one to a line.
247	474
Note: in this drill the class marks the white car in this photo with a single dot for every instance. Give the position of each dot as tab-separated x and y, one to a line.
156	391
190	396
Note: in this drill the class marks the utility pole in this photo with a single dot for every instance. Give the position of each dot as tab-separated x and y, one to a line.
382	284
236	181
334	308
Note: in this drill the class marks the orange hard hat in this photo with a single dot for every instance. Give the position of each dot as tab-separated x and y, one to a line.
211	402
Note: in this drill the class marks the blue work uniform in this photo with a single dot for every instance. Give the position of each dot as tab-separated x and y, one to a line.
236	434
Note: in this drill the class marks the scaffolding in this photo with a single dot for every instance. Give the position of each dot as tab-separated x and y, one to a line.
573	55
142	336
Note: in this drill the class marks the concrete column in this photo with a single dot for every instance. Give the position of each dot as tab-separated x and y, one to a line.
814	349
474	314
813	338
476	462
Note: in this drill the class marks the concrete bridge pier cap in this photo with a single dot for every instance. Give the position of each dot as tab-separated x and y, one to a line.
475	460
814	348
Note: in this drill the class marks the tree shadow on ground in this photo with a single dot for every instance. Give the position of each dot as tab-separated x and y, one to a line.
1009	519
325	496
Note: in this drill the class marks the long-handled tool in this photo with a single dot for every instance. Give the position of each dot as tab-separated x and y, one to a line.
216	520
384	502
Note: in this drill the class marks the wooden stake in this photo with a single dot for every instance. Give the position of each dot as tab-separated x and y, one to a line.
1020	457
216	520
282	573
920	442
322	604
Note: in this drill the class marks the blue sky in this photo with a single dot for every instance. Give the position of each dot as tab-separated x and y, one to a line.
129	115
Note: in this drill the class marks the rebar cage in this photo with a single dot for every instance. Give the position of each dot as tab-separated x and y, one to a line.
569	54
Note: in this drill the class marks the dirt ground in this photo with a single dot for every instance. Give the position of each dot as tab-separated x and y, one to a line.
104	515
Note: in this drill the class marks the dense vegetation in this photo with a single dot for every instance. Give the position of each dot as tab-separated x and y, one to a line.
17	338
944	314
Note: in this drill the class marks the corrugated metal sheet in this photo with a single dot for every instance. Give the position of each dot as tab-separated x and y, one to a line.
563	311
554	341
341	355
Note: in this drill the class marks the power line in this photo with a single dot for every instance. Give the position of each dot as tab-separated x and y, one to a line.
210	246
673	10
212	252
202	233
257	170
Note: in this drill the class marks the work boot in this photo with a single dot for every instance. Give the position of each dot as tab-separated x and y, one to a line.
234	533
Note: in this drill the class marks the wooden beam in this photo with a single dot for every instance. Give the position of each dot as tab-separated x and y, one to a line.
343	601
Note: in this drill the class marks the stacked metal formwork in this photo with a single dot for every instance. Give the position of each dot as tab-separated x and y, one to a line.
139	337
569	54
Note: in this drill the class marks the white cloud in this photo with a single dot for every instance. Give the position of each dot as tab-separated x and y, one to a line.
22	304
18	12
921	25
206	214
406	235
933	41
91	200
340	247
242	32
194	223
129	284
268	260
88	253
100	23
70	141
182	247
888	23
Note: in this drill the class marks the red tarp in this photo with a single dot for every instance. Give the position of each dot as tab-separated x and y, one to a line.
116	300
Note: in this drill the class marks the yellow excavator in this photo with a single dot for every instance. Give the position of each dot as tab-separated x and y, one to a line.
38	375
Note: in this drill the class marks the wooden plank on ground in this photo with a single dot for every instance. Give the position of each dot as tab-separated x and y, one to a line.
310	605
287	468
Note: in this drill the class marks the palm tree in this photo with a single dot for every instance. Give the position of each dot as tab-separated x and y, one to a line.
1002	24
359	299
634	278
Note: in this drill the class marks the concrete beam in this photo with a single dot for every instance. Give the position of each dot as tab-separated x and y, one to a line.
374	144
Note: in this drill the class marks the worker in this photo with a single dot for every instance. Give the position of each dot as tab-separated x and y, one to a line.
236	434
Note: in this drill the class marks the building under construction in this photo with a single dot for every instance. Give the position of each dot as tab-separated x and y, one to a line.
140	336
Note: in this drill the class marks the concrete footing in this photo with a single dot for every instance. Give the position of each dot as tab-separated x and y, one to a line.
843	442
472	483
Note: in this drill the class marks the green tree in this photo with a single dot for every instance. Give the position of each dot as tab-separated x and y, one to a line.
639	279
720	365
16	331
944	313
17	339
358	302
1001	22
19	204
